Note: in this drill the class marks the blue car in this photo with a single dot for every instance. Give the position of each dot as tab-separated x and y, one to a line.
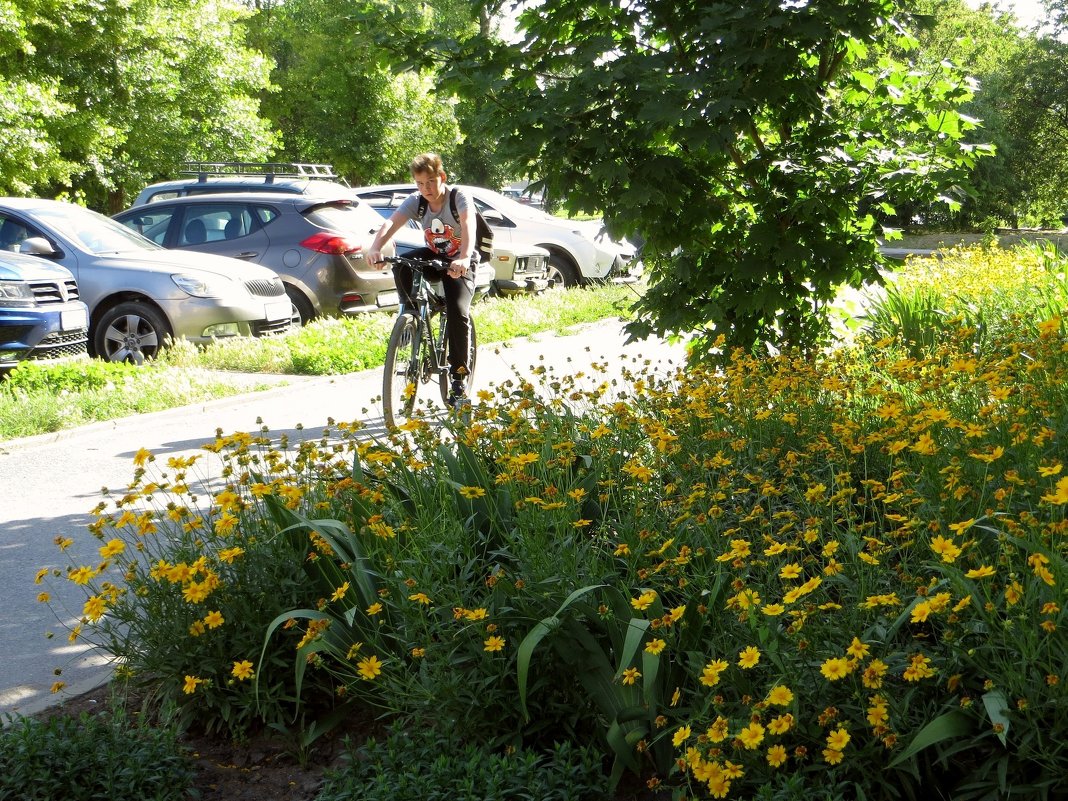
41	317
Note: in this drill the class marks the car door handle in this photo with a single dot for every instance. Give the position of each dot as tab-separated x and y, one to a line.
248	254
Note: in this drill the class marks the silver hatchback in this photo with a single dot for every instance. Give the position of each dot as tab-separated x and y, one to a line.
139	294
316	244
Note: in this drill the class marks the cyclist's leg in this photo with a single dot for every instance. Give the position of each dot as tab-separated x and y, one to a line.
458	295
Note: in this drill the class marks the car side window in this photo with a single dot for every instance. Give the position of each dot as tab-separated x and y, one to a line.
213	222
151	224
265	215
12	233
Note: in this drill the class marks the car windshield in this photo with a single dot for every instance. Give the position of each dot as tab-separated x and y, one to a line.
513	208
96	233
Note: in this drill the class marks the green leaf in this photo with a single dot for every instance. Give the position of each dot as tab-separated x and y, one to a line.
945	727
996	706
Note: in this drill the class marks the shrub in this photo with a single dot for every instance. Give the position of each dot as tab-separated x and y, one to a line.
91	757
435	766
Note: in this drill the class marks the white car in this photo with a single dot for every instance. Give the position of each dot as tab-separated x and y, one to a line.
579	251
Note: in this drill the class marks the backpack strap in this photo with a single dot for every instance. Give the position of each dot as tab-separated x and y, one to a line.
421	210
452	204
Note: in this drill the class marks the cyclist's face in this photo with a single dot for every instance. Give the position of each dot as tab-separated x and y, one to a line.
429	185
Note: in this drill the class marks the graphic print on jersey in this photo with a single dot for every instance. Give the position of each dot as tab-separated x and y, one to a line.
442	238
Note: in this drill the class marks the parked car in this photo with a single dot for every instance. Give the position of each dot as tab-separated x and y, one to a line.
41	316
579	251
210	178
138	293
518	268
315	244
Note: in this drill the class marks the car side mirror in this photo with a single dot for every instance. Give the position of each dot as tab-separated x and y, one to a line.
37	246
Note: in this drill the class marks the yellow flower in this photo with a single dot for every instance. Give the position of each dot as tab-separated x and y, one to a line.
681	735
835	668
57	686
655	646
773	610
631	675
228	555
776	756
94	608
984	571
142	457
191	684
857	649
418	653
213	619
781	724
945	548
749	657
369	668
790	571
472	492
339	593
44	597
643	601
493	643
112	548
873	674
1050	470
374	609
81	575
710	674
751	736
1060	496
838	739
242	670
780	695
832	756
419	597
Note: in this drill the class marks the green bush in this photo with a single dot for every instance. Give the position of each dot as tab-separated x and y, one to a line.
433	766
91	757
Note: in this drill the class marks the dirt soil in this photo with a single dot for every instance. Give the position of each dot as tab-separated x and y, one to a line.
261	769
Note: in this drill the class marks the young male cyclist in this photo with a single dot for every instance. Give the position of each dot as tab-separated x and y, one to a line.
447	236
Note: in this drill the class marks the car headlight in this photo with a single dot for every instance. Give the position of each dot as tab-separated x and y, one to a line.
203	287
16	293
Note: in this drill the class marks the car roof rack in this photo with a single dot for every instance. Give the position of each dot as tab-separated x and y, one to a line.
268	169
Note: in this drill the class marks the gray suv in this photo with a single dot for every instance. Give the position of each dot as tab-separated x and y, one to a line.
315	244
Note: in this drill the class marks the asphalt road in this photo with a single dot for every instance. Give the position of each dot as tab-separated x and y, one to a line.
51	482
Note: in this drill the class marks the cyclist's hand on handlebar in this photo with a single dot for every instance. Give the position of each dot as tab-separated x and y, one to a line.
374	258
458	268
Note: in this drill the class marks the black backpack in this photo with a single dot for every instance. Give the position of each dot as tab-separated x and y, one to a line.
483	233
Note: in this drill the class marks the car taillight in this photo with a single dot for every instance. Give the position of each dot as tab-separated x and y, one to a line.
334	244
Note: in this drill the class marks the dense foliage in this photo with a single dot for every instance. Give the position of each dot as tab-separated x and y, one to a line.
794	574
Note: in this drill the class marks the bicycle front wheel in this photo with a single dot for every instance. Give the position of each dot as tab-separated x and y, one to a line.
401	379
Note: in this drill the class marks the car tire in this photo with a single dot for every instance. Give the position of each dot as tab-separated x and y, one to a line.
130	332
304	313
562	273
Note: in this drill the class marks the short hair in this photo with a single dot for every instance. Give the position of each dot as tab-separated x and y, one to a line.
429	163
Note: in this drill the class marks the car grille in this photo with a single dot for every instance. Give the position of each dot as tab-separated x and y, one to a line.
530	264
58	345
264	288
266	328
48	292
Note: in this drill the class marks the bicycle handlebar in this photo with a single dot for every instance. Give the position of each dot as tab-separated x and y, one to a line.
435	265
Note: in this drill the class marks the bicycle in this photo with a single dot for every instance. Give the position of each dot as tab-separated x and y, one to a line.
417	352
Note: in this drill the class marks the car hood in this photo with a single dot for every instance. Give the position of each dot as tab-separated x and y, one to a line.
14	267
185	261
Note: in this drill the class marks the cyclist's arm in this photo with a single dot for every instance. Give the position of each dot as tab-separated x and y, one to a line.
385	233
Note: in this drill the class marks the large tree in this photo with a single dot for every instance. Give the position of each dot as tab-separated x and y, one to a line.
144	84
740	141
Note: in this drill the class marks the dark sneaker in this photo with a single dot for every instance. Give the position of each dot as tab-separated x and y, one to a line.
458	399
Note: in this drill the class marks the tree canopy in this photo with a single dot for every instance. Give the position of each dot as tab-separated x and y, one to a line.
747	145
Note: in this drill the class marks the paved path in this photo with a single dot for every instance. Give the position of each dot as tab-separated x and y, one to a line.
51	482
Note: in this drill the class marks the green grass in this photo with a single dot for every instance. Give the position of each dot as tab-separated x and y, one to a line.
38	400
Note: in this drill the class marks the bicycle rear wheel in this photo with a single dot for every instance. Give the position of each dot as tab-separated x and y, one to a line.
400	375
444	384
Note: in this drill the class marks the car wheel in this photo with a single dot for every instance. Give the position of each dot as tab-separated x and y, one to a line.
130	332
303	313
562	272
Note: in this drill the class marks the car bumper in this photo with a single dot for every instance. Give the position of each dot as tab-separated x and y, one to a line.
56	334
202	320
522	286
